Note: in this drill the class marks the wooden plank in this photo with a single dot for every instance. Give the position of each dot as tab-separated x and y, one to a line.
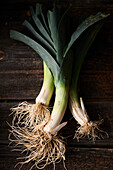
20	72
21	77
76	158
95	110
77	2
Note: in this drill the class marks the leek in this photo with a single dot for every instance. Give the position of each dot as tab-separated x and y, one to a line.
36	115
87	127
37	136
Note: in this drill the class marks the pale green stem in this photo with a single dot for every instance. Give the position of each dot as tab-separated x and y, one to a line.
58	111
47	89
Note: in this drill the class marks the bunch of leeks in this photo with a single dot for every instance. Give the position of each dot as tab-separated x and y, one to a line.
36	129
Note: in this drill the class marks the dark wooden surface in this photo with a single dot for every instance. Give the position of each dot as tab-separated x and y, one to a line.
21	77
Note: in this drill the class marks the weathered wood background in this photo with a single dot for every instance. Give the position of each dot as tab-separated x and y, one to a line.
21	76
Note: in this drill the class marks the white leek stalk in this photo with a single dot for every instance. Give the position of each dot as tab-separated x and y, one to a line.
87	128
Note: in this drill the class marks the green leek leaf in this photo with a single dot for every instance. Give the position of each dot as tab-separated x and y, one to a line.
49	60
53	20
81	50
66	69
41	27
62	33
57	25
38	9
40	38
40	12
85	24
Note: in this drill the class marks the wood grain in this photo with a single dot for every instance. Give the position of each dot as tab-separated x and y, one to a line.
21	76
76	158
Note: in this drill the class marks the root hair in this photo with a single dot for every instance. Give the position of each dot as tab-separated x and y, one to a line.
28	136
30	116
91	130
38	146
